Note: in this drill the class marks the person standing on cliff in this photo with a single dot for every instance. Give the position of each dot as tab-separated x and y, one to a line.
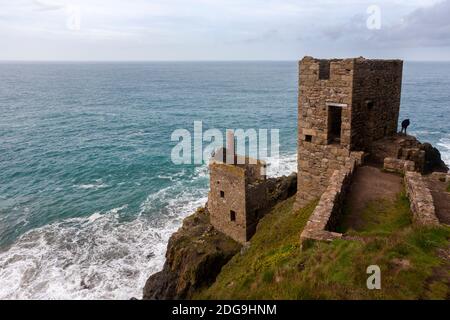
405	124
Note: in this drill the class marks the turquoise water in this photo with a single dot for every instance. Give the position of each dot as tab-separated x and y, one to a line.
88	193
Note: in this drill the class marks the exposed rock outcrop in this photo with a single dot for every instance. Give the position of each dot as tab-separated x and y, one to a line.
281	188
433	161
425	157
195	255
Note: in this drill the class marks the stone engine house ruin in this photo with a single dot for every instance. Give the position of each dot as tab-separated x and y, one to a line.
348	112
343	106
238	193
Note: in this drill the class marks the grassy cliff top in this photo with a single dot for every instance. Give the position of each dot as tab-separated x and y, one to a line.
414	261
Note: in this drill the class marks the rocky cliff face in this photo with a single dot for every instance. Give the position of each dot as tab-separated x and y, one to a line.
433	161
195	255
197	252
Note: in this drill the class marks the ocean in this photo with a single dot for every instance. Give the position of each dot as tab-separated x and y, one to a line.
89	195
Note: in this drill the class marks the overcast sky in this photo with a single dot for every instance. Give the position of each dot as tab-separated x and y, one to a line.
223	29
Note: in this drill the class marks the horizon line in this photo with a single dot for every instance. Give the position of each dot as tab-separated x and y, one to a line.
168	61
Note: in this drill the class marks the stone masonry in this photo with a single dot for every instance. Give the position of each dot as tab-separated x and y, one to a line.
328	211
348	111
422	205
237	194
240	195
344	105
406	149
398	165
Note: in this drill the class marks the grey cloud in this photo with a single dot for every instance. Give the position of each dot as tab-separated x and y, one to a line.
272	34
48	5
424	27
355	25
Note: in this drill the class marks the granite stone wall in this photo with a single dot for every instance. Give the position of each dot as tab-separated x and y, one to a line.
318	157
328	211
227	193
426	158
343	105
256	204
240	195
398	165
375	100
421	200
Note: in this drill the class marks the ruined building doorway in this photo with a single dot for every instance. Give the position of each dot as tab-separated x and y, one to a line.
334	124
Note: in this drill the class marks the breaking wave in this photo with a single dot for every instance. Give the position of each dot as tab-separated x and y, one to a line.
97	257
444	146
101	256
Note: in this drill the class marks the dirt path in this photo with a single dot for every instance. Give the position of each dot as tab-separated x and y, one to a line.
441	198
369	184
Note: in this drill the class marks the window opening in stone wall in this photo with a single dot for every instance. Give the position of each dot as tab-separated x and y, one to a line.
334	124
324	69
232	215
222	194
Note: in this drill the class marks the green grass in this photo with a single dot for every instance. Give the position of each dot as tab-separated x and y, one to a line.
381	217
274	266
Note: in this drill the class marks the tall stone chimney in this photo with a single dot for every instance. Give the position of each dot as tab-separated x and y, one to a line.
230	150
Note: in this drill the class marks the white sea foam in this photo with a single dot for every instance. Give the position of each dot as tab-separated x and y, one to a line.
93	217
173	177
97	185
97	257
444	147
100	256
285	166
423	132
